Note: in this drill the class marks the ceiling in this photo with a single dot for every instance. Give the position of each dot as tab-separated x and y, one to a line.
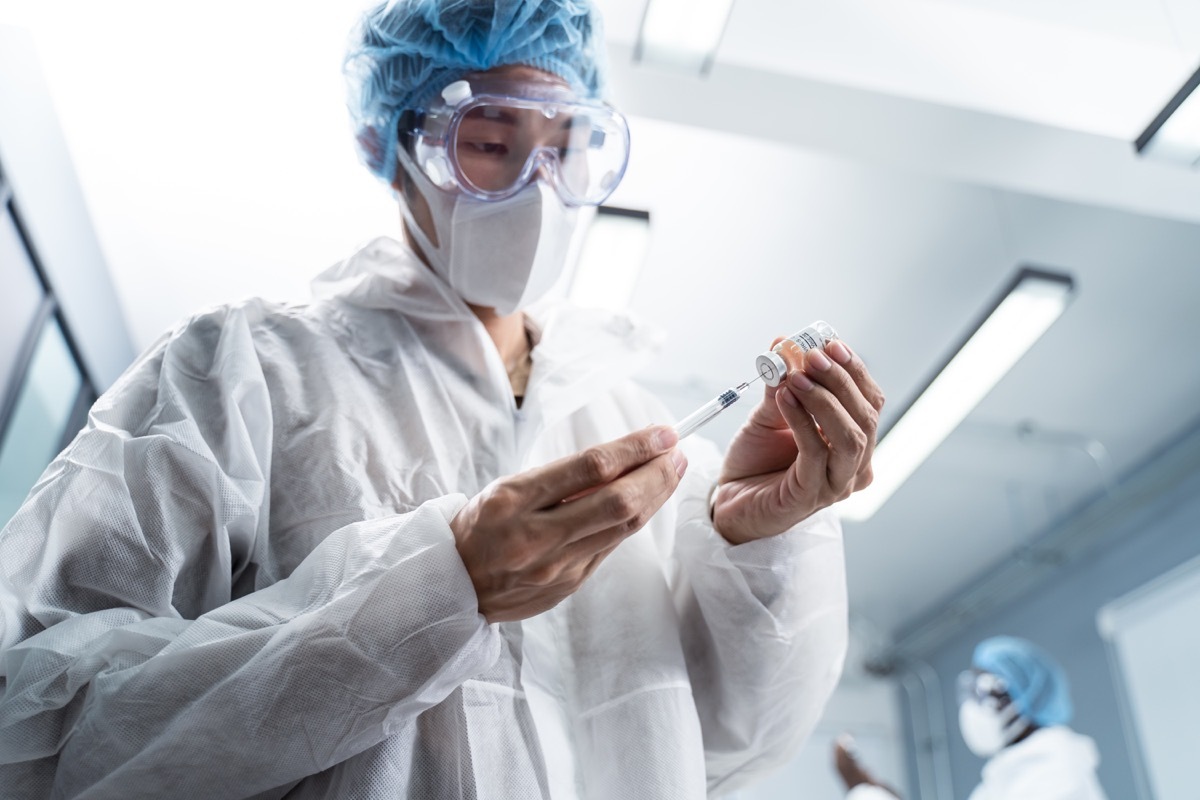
882	165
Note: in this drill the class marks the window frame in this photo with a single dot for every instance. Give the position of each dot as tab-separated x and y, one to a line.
47	311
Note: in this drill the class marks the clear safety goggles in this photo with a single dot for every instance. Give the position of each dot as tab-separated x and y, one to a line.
489	138
982	687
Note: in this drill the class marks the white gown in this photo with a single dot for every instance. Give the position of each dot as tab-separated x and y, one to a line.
239	579
1052	764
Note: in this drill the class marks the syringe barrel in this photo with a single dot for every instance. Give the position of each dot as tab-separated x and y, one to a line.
771	366
692	422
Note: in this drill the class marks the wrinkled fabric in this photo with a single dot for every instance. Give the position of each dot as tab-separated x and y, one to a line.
240	581
1052	764
1036	683
404	52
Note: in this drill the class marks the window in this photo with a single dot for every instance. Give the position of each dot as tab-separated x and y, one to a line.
43	409
44	393
20	303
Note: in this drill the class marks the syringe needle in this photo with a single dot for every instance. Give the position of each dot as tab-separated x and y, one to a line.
742	387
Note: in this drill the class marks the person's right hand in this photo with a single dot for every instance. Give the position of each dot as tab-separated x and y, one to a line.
530	540
845	760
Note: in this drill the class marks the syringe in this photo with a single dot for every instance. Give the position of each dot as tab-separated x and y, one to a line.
771	368
702	415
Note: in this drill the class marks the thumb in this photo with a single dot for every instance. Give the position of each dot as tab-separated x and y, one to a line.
767	414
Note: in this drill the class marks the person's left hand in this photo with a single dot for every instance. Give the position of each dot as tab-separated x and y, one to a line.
805	447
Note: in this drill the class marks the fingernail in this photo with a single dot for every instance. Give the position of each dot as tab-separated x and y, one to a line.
680	462
801	381
665	438
790	398
840	352
818	360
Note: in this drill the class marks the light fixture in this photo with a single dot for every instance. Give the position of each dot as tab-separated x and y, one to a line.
682	33
610	261
1024	311
1174	135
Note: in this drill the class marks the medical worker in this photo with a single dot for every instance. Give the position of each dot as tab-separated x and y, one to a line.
1014	706
422	536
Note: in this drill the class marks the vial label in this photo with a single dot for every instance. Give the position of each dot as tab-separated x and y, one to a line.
806	340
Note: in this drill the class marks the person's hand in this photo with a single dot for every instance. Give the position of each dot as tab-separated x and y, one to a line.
530	540
852	772
805	447
845	761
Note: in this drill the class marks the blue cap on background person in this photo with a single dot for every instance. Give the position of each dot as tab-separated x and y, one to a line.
1033	679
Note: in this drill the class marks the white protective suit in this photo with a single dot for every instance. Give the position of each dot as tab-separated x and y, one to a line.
1052	764
239	580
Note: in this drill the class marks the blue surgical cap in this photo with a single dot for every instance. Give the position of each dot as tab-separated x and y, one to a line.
1035	681
406	51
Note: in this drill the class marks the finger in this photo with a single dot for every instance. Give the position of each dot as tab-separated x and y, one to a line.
820	368
841	353
595	466
766	414
847	442
602	543
867	416
813	452
629	501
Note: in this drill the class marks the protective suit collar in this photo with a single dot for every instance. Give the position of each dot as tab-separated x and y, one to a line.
1052	762
582	352
386	274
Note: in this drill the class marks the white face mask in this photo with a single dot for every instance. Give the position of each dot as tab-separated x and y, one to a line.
988	730
501	254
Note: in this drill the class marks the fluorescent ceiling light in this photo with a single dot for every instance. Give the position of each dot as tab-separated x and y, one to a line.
1174	135
611	259
1030	305
682	33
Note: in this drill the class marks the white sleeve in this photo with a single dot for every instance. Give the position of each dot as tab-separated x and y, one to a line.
127	667
765	630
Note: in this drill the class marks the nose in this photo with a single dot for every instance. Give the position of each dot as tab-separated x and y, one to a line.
545	164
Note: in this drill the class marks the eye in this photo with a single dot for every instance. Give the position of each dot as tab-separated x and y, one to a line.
489	148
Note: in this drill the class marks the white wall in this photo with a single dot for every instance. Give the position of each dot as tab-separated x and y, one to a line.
1153	635
868	709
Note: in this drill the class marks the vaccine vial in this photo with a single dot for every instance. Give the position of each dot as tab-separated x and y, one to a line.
771	366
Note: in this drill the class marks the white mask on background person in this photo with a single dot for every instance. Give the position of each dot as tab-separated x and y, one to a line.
502	254
988	730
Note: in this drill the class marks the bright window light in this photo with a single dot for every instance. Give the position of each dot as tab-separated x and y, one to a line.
611	259
1175	133
682	33
1029	307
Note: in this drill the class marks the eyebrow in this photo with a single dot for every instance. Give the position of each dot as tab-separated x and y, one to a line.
505	117
494	114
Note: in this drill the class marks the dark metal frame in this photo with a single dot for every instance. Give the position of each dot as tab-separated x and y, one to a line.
1024	273
48	310
1179	99
616	211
